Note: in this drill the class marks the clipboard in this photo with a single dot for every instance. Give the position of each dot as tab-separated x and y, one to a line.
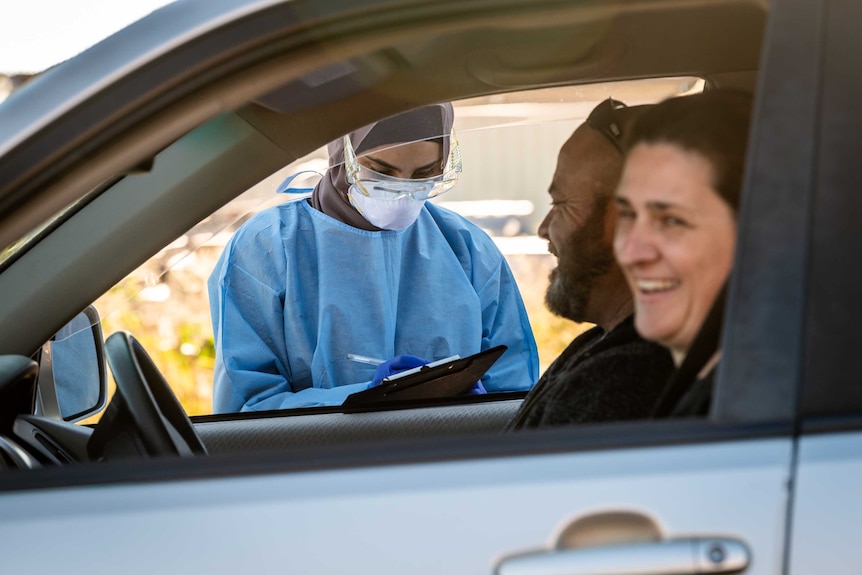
443	380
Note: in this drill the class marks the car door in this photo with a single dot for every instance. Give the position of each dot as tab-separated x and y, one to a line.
447	507
698	496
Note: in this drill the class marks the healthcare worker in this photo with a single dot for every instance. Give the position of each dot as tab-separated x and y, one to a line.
368	267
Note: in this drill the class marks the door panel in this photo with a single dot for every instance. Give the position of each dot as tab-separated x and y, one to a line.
453	517
241	435
827	506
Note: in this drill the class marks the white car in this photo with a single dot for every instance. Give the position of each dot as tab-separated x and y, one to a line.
115	154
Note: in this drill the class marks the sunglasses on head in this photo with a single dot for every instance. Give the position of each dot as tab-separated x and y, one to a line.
605	120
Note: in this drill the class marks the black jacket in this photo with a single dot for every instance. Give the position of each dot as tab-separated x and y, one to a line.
599	377
696	401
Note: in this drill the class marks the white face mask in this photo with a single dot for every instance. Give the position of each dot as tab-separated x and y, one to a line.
384	213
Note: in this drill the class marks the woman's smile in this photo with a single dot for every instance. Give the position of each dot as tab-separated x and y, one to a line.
674	240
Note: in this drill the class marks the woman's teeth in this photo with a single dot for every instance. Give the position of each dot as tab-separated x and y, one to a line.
652	286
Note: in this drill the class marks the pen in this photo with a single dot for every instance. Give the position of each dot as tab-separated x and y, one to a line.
364	359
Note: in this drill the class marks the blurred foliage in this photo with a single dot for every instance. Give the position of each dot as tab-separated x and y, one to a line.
553	333
174	329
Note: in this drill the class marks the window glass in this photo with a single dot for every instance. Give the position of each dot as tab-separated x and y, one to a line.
509	144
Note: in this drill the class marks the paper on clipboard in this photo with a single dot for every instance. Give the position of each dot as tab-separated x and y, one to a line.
412	370
442	378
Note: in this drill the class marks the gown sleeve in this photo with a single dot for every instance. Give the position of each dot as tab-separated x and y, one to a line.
251	368
503	314
505	322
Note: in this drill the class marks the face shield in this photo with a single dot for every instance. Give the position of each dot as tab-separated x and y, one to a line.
383	187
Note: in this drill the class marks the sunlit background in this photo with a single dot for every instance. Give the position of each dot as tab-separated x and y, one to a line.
38	34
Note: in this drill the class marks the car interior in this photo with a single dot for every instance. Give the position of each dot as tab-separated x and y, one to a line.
211	137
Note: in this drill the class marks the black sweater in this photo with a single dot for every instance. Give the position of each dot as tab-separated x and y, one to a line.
599	377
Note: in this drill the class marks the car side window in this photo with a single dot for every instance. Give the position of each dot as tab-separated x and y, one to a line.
509	145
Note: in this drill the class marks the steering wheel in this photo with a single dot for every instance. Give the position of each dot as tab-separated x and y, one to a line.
146	407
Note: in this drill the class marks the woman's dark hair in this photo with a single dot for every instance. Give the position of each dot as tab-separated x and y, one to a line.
713	124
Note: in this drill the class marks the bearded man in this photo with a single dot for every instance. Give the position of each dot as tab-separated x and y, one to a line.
608	373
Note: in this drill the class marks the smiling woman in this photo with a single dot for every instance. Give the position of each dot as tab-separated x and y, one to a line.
675	239
676	230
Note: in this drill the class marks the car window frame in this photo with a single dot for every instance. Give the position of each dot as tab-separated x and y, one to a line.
765	318
829	388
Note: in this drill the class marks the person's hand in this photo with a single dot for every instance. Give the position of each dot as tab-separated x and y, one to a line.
477	389
395	365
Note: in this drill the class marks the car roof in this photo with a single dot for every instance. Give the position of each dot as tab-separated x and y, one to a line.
652	34
375	57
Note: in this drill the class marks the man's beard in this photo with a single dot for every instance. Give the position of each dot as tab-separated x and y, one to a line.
583	260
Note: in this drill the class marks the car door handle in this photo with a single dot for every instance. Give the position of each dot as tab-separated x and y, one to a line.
670	557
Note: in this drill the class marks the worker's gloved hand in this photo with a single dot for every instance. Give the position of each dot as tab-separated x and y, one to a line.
395	365
477	389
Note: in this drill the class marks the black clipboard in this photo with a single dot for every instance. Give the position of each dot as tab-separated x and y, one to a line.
444	380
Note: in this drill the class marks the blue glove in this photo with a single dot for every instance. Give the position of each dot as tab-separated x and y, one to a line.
395	365
477	389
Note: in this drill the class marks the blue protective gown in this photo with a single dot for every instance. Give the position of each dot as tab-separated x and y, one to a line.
295	291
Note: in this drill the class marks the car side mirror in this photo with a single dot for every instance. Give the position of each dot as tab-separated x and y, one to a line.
72	382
